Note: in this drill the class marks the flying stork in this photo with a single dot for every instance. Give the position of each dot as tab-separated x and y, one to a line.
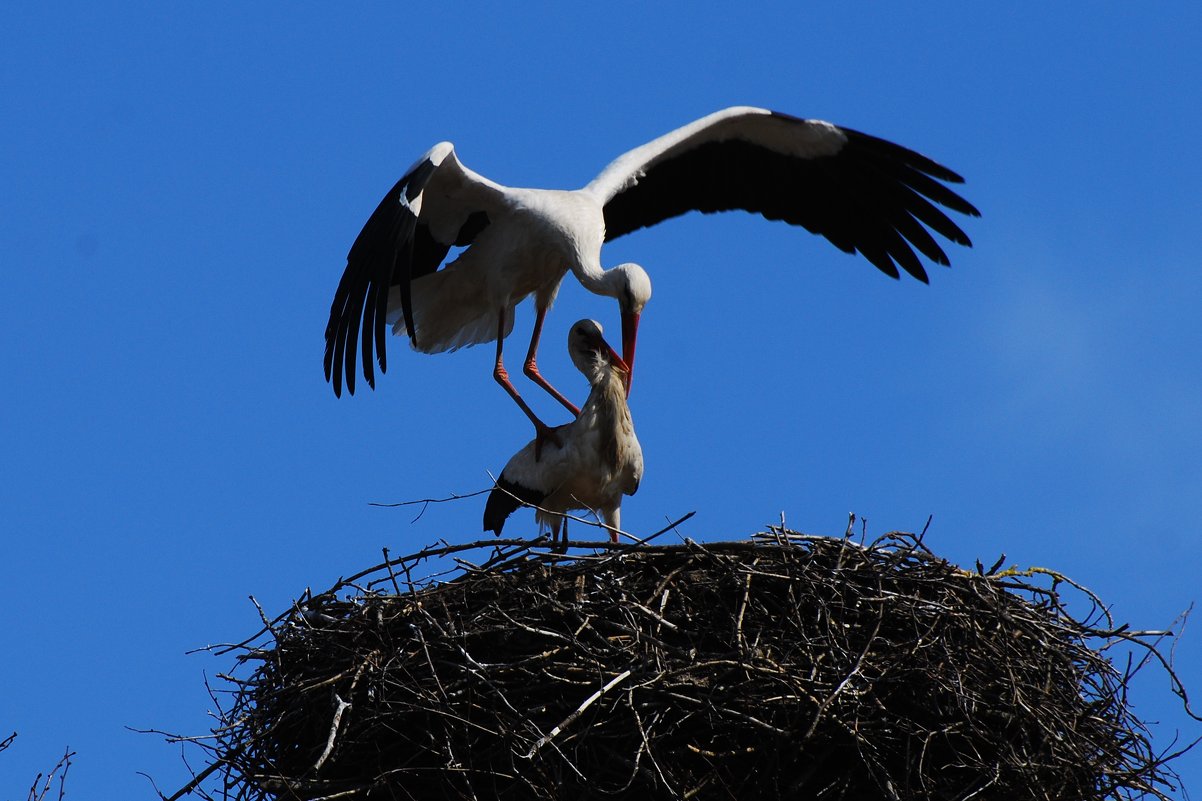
598	458
862	193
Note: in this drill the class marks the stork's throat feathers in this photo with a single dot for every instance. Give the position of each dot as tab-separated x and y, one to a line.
598	459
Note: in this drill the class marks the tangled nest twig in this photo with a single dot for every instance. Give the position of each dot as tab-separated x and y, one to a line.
788	666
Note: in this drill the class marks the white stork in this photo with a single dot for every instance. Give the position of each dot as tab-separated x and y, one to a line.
597	460
862	193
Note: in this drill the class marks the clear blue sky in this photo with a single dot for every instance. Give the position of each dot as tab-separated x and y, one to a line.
181	184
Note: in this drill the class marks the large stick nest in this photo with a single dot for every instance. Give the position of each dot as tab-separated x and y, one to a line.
783	667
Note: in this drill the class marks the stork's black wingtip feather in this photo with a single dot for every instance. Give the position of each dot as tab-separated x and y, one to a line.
961	238
506	497
499	506
949	176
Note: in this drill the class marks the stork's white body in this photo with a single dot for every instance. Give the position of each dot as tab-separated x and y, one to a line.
526	251
598	461
862	193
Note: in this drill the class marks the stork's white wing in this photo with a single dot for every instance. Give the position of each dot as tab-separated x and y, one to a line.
862	193
437	204
759	126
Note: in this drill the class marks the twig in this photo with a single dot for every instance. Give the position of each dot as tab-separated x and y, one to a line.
615	681
425	502
906	674
64	764
216	765
342	706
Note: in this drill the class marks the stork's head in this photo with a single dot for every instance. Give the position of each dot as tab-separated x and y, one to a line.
632	288
591	354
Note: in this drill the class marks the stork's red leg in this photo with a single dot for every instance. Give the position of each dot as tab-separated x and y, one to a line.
531	367
542	432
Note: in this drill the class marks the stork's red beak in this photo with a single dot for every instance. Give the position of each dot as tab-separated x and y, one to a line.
630	332
616	360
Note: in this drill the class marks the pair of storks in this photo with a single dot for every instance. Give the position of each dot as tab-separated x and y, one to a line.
863	194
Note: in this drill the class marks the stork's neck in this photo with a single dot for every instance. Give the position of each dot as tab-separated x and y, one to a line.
608	383
606	414
595	278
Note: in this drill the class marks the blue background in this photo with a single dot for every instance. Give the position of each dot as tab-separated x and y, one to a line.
180	186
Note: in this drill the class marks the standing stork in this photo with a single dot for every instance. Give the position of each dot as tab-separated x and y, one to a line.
598	459
862	193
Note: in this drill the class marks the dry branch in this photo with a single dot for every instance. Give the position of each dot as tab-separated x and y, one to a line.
786	666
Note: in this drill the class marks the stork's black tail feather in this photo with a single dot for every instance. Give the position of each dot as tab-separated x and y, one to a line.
504	500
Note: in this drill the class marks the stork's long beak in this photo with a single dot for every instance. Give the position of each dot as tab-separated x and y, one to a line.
616	360
630	332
